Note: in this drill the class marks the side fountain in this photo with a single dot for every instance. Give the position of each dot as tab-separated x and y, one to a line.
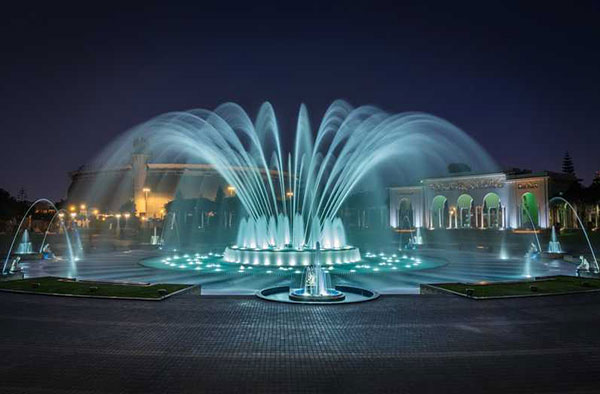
25	244
554	249
535	249
154	238
593	266
25	247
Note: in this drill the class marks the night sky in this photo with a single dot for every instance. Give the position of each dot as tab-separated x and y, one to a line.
523	80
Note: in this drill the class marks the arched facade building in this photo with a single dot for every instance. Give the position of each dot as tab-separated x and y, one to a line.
497	200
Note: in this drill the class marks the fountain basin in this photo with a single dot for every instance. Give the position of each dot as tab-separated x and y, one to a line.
352	295
331	296
290	257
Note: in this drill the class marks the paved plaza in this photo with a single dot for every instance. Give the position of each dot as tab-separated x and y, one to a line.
454	266
399	344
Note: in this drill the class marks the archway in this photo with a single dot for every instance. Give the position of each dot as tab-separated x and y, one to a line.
464	205
559	214
439	212
405	217
529	210
491	211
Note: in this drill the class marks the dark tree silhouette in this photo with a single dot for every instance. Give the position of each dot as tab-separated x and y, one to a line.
567	165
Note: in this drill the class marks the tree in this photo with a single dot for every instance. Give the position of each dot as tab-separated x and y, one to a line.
567	165
22	194
596	180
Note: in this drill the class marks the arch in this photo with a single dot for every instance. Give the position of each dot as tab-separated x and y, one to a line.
529	209
464	206
491	211
439	212
405	214
561	215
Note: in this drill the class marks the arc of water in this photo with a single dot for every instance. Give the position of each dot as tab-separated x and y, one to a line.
534	229
322	171
12	244
580	225
50	225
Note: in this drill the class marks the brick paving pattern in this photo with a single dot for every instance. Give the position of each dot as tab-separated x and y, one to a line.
397	344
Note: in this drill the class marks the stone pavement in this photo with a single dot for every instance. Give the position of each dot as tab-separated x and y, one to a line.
398	344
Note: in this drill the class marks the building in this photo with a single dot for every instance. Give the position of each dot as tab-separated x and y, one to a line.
143	186
497	200
146	187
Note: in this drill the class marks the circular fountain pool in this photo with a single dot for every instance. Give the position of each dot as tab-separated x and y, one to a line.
214	263
351	295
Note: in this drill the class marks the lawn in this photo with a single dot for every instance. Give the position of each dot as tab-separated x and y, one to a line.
89	288
552	285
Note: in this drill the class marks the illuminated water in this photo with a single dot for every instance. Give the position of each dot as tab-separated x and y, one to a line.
25	246
213	263
292	198
554	244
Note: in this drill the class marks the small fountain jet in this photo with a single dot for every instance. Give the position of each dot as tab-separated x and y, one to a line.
316	284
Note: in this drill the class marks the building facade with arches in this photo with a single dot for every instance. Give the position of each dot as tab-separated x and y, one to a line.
483	201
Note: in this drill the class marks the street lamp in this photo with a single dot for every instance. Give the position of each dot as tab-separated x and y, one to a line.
146	190
118	229
231	190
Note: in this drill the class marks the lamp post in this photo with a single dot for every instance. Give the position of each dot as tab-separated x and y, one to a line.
146	190
118	229
61	216
83	210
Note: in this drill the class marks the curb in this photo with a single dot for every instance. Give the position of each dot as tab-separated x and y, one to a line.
184	290
433	289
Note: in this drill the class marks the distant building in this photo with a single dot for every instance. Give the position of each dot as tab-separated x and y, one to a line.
149	186
498	200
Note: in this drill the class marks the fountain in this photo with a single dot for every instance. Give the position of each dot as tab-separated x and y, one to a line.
535	249
9	268
418	238
77	245
25	246
554	245
292	200
154	238
275	242
594	263
316	284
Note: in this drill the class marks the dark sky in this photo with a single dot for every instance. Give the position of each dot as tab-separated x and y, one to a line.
522	79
